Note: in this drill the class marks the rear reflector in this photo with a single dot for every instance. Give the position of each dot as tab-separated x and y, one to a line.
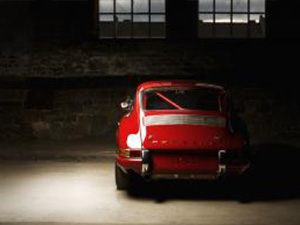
135	153
129	153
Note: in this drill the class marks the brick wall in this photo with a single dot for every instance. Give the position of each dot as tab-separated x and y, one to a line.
270	113
93	110
58	113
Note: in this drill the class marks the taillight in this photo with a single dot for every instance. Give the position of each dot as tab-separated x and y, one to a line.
130	153
135	153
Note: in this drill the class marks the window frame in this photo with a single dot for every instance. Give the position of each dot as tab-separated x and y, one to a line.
149	13
214	13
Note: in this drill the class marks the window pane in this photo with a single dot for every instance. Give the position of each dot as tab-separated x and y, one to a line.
240	18
222	18
158	6
141	6
255	18
123	26
157	26
158	18
222	25
205	5
141	18
257	26
205	26
206	18
107	26
106	18
123	6
257	6
205	99
240	25
106	6
240	5
141	26
223	5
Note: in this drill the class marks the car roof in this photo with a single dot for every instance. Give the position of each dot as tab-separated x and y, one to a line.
172	83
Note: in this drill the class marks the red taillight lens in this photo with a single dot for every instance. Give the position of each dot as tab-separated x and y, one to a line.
130	153
135	153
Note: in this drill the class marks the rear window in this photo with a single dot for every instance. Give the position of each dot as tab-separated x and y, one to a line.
204	99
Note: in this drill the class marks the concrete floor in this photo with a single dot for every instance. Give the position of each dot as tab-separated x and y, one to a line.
51	192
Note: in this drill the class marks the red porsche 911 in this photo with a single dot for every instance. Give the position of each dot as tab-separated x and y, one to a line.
178	130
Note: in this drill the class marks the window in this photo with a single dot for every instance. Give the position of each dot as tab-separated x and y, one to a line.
180	98
132	18
231	19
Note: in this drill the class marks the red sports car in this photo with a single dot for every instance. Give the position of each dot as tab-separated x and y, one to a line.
178	130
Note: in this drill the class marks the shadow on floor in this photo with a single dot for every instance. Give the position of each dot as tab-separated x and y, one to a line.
274	175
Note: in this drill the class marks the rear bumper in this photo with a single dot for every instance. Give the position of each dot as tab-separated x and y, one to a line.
130	164
205	169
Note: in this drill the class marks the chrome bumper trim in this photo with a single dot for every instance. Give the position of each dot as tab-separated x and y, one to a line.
145	162
185	176
222	167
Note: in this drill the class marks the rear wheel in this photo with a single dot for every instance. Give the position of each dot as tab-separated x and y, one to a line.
122	179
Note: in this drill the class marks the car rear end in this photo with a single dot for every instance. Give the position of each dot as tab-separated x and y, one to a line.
184	132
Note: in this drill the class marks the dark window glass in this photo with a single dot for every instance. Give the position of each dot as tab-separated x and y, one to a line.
123	25
222	25
191	99
107	26
257	26
239	25
205	26
141	26
158	26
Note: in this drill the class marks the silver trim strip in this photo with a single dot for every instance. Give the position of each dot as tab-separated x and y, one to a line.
171	119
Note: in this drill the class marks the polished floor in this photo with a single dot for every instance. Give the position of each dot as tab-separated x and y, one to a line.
53	192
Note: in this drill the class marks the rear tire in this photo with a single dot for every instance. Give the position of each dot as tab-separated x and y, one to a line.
122	179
